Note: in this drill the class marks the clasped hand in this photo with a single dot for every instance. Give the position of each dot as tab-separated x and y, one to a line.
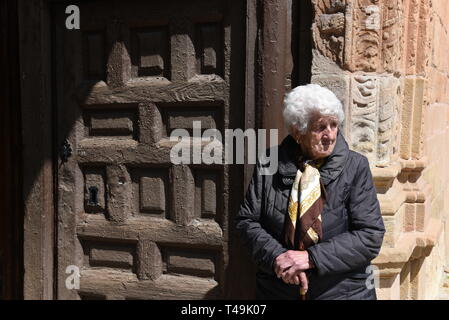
290	267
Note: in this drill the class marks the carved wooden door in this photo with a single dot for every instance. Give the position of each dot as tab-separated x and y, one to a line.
137	226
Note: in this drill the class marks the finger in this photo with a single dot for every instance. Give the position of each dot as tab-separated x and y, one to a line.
278	263
283	267
289	276
285	277
280	267
297	281
304	281
285	273
282	273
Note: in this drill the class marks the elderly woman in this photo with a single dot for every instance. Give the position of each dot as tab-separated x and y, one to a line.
314	226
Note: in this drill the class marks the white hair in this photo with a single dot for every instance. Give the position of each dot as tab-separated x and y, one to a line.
301	102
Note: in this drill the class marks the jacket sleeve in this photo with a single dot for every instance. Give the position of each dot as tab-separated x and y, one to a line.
262	246
361	244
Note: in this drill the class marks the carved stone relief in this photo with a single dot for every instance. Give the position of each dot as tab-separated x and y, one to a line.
388	115
364	114
360	35
366	36
392	35
329	28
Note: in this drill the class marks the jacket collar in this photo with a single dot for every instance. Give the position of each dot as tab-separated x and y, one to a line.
289	153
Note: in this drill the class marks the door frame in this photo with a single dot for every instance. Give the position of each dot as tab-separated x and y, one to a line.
38	148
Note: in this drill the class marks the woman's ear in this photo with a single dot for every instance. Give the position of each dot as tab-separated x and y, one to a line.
295	134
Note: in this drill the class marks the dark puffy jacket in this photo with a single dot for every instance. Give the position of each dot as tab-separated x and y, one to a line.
352	226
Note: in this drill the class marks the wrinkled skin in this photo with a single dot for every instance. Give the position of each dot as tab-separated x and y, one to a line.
321	136
317	143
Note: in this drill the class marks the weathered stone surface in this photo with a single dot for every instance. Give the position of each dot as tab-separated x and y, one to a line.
360	35
329	29
364	114
332	23
392	38
365	38
406	120
340	85
388	125
418	109
323	65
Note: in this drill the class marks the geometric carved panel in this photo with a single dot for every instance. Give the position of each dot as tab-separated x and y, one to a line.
94	190
94	55
209	48
152	194
111	123
183	118
189	262
206	193
109	255
150	189
150	52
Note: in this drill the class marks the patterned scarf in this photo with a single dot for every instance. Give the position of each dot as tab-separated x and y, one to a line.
305	206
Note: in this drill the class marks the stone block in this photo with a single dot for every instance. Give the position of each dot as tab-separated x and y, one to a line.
393	228
418	105
416	279
409	217
338	84
389	288
388	124
423	38
405	282
411	39
406	119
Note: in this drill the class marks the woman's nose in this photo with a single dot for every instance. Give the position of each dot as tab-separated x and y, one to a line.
328	132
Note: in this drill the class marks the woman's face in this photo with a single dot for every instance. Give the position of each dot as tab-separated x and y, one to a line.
321	136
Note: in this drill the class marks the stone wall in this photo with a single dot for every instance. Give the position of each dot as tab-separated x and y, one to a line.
435	136
387	61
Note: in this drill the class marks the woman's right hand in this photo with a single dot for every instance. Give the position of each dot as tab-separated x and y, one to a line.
300	279
303	281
